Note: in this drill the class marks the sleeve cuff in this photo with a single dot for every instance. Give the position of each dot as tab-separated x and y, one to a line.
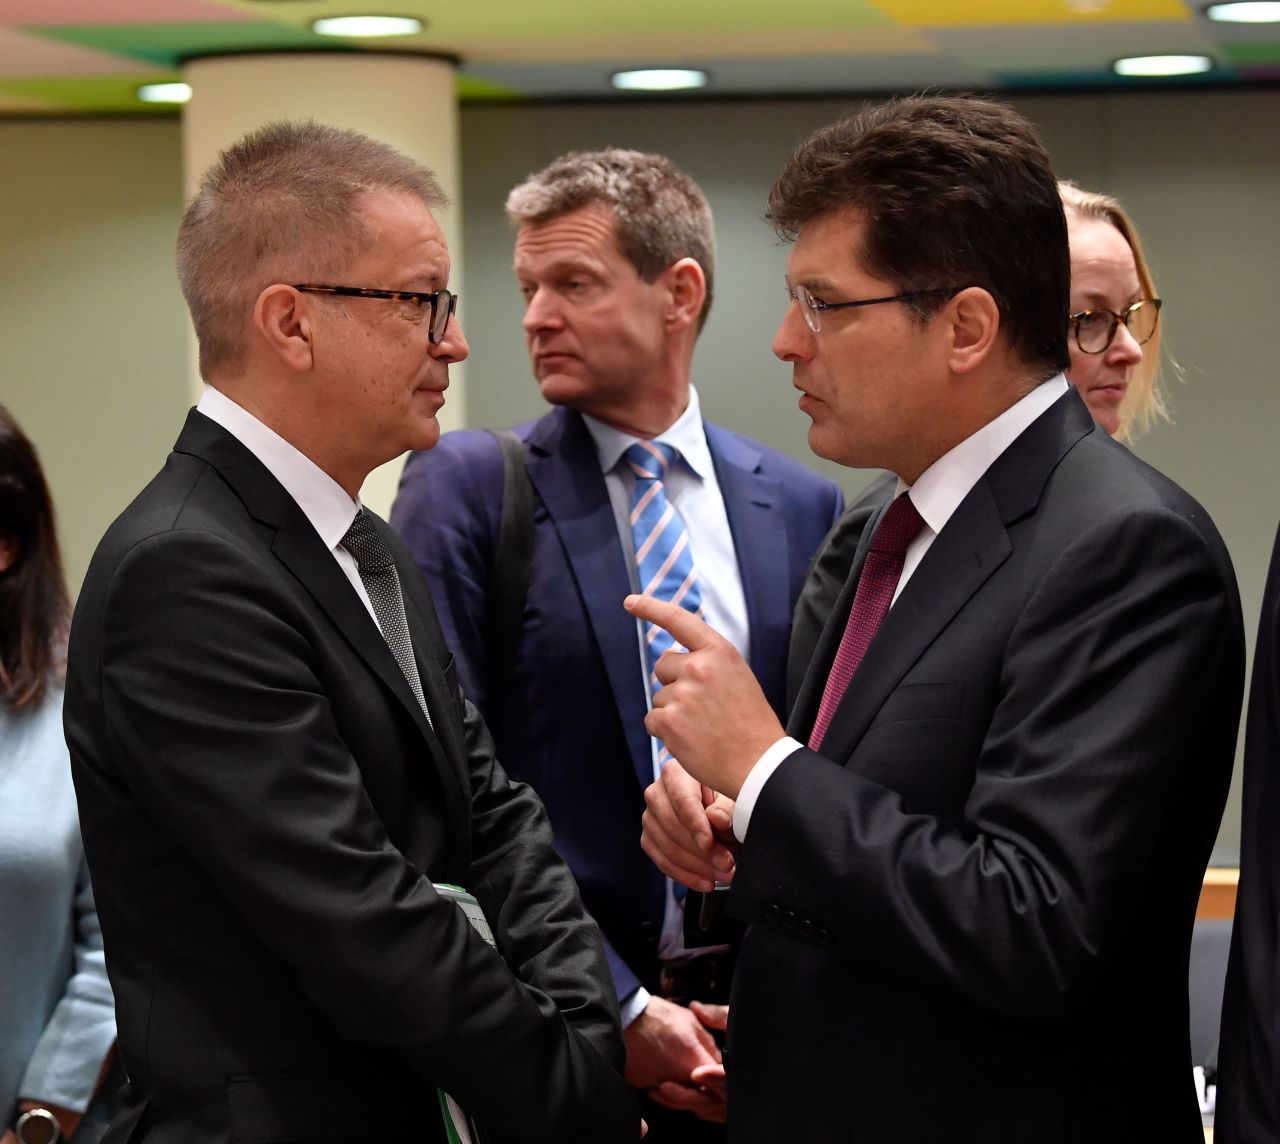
633	1005
753	784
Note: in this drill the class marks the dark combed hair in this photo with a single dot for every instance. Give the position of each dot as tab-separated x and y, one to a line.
34	607
954	191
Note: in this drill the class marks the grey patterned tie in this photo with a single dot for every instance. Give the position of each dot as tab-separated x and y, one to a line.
382	582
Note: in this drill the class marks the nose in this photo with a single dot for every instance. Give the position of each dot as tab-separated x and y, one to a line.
1124	348
453	346
794	341
541	312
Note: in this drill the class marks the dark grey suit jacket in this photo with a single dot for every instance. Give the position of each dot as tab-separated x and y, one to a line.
969	916
264	810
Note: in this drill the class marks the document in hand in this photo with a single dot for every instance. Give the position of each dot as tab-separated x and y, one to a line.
459	1128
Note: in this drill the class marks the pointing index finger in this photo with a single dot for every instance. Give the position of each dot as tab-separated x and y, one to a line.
684	626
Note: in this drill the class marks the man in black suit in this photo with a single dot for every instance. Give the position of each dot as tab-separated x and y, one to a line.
273	759
969	897
1248	1110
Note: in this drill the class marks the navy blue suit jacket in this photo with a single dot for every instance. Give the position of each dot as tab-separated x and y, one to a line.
573	725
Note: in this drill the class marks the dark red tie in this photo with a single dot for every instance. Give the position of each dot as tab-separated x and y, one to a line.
896	530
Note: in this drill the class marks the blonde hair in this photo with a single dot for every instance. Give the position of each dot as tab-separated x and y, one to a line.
1145	403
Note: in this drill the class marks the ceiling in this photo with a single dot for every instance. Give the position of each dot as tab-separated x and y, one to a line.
86	57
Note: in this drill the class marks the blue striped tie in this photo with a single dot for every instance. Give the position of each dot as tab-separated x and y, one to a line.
664	562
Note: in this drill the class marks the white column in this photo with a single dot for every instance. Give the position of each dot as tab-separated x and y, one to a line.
407	101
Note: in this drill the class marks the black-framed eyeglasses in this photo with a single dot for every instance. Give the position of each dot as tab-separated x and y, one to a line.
443	303
812	309
1095	330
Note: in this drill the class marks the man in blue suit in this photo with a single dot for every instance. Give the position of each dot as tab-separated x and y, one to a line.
614	257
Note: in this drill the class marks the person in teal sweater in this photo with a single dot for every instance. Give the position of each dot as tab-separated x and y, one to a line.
57	1021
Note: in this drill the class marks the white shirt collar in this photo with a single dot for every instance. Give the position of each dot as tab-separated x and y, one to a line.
939	490
323	501
686	436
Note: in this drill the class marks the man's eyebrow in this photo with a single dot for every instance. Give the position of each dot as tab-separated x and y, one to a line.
816	283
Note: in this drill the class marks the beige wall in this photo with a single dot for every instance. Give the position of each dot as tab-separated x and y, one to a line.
93	356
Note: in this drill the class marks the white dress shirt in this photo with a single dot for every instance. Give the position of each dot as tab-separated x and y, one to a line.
936	495
693	490
323	501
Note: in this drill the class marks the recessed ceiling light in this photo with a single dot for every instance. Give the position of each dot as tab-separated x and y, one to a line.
164	92
1163	65
1250	12
659	79
367	26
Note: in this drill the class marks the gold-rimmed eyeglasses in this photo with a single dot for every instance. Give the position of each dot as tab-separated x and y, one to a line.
1095	330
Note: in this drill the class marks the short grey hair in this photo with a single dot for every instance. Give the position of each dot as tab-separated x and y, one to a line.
661	214
281	205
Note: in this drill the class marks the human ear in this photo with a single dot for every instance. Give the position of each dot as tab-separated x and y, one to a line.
974	326
8	553
282	319
687	284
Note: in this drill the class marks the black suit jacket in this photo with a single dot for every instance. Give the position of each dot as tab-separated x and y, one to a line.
969	917
264	809
1249	1050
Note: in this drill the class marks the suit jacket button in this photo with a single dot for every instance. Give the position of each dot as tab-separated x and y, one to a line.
771	913
789	919
824	936
806	927
649	932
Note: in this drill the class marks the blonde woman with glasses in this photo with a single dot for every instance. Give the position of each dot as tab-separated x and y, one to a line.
1115	316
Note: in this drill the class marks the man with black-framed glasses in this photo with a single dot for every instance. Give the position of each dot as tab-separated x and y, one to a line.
969	864
328	915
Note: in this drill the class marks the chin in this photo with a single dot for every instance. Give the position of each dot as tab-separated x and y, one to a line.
827	445
425	436
1106	414
556	391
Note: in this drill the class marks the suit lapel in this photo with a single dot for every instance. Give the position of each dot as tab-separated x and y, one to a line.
565	470
753	505
298	547
448	742
970	547
805	709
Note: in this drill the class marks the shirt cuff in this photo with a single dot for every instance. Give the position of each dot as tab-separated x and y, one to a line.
632	1006
753	784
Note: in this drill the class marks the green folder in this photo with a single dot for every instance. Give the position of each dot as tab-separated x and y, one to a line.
459	1128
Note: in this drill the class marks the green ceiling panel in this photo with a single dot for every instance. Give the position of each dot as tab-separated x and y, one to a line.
1246	55
475	89
97	95
168	44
